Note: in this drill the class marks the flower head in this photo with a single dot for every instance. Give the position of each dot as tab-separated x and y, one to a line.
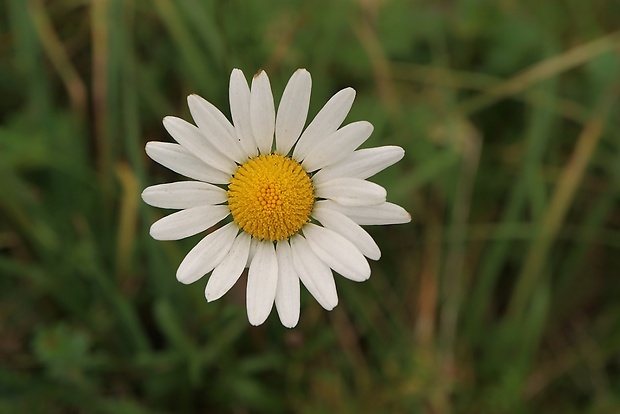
292	206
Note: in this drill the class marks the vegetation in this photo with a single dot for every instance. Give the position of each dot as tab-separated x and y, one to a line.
501	296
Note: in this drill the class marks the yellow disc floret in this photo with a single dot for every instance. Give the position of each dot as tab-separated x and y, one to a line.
271	197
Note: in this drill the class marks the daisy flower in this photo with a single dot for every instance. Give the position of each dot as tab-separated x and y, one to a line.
290	209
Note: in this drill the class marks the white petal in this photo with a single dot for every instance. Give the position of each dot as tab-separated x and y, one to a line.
352	192
347	228
188	222
314	274
293	110
226	274
207	254
178	159
325	123
338	145
190	137
214	125
337	252
183	194
262	112
239	95
362	164
253	247
386	213
287	292
262	283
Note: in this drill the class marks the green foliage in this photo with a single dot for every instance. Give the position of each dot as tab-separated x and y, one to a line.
501	296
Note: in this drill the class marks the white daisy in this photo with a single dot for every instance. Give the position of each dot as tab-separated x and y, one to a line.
276	193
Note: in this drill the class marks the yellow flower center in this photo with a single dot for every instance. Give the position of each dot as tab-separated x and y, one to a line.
271	197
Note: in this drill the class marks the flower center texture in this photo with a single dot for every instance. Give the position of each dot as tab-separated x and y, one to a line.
271	197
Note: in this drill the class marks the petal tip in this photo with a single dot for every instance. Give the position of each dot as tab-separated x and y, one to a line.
192	98
332	306
289	318
172	123
155	232
350	91
259	73
256	321
182	277
194	101
289	324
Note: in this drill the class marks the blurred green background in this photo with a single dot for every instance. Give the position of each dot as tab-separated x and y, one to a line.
501	296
